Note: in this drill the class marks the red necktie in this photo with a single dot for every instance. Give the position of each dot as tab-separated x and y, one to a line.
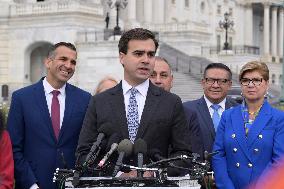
55	113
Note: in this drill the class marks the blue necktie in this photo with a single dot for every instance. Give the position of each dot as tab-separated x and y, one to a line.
132	115
215	116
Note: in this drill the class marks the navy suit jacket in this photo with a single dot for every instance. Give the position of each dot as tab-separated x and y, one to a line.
241	160
163	121
37	153
205	121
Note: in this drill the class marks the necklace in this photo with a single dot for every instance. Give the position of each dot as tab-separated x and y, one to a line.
256	112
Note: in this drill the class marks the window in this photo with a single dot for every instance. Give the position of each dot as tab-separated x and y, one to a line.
230	43
202	6
219	9
39	0
218	43
273	78
231	11
186	3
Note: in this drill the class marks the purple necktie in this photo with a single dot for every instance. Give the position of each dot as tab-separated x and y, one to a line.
55	113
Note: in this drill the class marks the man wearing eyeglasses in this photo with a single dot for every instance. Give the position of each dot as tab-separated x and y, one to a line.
216	82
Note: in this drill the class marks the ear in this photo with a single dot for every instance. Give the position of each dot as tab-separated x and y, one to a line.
121	58
203	83
47	62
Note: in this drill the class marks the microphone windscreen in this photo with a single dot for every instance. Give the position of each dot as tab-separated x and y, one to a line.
125	146
156	154
106	128
114	138
140	146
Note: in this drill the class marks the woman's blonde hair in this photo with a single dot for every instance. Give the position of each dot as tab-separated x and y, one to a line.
258	66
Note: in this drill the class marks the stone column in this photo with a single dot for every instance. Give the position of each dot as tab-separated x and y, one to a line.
281	32
159	13
148	11
274	31
266	29
249	25
131	8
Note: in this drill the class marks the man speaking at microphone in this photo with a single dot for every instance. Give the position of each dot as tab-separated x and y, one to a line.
135	107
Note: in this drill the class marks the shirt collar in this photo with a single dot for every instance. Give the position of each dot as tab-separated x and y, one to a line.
142	88
222	103
48	88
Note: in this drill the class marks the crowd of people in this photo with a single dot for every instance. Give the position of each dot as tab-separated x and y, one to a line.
53	124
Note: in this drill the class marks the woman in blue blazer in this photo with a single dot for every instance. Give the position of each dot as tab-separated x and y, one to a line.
250	137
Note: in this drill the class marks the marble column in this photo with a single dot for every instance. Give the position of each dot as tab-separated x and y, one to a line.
274	31
148	11
249	25
281	32
131	8
266	33
159	13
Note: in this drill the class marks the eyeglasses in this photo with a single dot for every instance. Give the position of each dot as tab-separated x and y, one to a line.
211	81
247	81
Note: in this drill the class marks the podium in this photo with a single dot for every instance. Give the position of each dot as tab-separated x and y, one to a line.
103	182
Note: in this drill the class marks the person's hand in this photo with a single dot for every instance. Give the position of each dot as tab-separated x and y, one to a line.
133	174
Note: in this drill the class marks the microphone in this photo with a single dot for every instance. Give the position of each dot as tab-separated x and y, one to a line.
140	149
208	155
105	130
112	145
124	149
155	155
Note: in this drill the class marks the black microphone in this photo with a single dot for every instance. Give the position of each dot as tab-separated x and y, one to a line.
155	155
140	149
124	149
105	130
112	146
207	155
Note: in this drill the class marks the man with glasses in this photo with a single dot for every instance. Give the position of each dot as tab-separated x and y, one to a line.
216	82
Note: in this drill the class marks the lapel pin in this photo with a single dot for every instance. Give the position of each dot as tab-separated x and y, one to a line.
259	136
233	135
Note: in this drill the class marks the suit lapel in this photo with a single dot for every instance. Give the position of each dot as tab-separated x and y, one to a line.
118	106
69	103
149	109
203	109
41	102
260	122
239	131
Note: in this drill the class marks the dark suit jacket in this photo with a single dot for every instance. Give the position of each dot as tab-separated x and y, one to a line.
163	121
37	153
205	120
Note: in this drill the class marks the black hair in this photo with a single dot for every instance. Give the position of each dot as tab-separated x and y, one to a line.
218	66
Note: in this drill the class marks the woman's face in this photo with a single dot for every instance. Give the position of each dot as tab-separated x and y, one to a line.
254	87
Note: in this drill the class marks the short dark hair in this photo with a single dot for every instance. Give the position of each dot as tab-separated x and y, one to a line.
51	51
218	66
135	34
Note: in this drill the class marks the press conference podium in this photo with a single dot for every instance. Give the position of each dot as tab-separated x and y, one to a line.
110	182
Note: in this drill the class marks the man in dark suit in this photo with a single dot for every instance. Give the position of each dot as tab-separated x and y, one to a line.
162	76
216	82
159	119
45	120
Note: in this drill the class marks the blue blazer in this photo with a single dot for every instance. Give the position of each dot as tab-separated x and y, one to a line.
241	160
205	123
37	153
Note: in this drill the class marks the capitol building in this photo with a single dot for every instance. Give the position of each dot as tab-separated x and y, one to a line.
191	33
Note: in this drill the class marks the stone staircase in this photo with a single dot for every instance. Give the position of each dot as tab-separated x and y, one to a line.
186	86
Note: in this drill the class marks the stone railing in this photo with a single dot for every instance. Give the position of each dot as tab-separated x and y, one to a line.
172	27
60	6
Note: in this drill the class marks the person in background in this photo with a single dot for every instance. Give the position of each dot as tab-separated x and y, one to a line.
136	108
6	158
250	136
45	120
216	82
162	77
106	83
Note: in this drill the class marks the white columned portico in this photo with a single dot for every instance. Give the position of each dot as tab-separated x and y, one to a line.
148	11
266	29
281	32
249	25
131	8
274	31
